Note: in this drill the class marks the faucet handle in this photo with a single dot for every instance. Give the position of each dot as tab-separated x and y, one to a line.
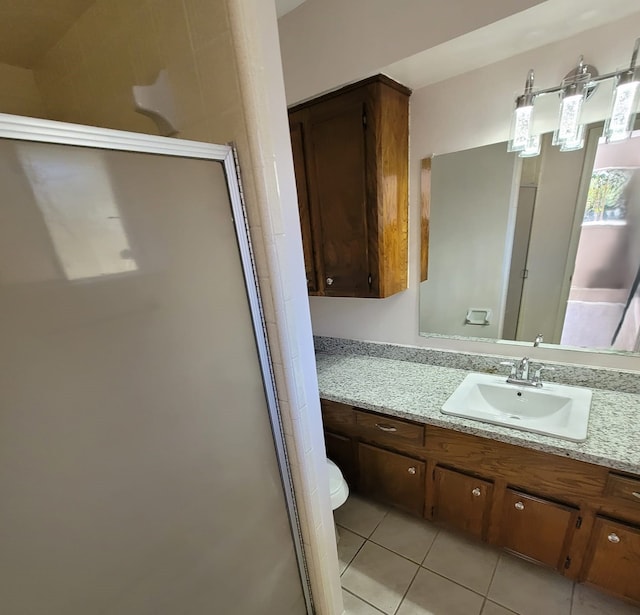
542	368
512	365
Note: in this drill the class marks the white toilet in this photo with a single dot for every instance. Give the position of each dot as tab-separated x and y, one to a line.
338	489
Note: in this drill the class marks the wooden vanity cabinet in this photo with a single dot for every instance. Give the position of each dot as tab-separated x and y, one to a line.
342	451
580	519
350	152
462	501
392	478
613	558
536	528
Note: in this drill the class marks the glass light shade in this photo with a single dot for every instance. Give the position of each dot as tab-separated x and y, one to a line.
520	133
573	94
569	120
623	111
532	147
577	142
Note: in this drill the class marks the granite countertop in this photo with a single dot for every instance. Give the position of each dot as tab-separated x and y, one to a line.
417	391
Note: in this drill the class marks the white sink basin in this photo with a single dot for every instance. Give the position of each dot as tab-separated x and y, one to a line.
553	410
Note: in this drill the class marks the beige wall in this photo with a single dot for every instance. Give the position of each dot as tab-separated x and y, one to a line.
441	122
18	92
222	58
87	76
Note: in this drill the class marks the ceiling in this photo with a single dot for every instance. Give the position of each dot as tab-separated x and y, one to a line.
28	28
540	25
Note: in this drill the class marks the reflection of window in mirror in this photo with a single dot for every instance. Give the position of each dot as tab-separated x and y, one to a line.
603	306
549	244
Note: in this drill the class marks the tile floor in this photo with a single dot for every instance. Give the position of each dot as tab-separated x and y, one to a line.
399	565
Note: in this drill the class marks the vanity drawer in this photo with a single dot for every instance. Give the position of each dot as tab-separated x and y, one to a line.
336	416
625	488
387	429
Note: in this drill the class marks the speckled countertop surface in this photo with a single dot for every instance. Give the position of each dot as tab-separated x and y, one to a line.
417	391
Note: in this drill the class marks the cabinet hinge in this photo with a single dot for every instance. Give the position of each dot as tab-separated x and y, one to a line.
433	510
364	118
579	522
370	280
433	474
567	562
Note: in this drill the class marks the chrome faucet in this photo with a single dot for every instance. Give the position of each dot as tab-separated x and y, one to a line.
520	373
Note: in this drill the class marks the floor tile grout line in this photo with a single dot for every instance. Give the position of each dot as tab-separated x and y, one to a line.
442	576
430	546
493	574
364	542
373	606
407	590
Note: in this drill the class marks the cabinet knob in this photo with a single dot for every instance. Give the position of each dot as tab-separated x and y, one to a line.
614	538
636	494
329	281
412	470
476	492
519	506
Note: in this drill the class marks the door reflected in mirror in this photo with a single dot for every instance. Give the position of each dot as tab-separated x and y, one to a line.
546	245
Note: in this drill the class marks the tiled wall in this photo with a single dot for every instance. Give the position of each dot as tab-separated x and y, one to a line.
213	52
18	92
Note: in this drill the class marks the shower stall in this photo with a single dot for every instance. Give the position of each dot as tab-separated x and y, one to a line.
142	465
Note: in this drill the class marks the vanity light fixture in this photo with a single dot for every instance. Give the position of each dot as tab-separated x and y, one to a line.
574	90
622	116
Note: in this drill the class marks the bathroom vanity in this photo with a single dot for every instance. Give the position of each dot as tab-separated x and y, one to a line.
571	506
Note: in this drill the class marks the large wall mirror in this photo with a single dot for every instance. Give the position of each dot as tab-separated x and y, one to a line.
547	245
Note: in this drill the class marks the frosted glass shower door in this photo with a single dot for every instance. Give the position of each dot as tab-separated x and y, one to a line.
138	471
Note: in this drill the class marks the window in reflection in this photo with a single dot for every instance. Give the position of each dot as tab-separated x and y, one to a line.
74	193
603	309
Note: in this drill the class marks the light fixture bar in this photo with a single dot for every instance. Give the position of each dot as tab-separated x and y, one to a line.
575	89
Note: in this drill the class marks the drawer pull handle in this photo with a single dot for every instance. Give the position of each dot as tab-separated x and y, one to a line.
412	470
614	538
385	428
636	494
519	506
476	492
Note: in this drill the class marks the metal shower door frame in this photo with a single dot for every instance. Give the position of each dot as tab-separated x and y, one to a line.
64	133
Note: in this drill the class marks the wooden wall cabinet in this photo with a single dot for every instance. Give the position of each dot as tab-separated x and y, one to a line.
580	519
350	151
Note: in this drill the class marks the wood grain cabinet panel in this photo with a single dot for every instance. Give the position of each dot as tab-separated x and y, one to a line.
337	417
536	528
296	127
392	478
387	430
462	501
613	560
350	150
341	450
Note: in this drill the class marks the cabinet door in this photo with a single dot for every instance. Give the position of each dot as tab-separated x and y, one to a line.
462	501
341	451
536	528
296	127
339	196
613	560
392	478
